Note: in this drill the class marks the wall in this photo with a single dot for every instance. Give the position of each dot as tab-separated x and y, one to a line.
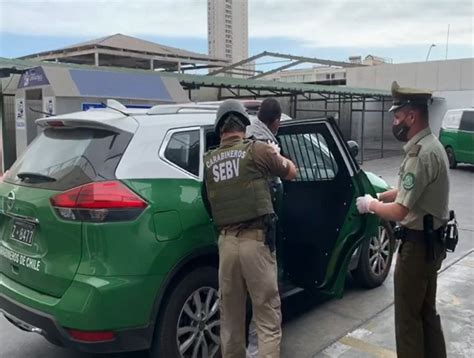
452	80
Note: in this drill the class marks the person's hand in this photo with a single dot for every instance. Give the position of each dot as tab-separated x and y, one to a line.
275	147
363	204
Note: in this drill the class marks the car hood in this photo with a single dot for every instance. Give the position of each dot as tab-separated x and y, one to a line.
377	182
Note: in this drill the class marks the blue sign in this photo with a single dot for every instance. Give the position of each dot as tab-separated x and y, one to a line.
87	106
33	77
108	84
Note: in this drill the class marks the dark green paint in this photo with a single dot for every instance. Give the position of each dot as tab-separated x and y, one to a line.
56	243
107	276
462	142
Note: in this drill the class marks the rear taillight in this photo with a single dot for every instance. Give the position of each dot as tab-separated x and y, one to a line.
99	202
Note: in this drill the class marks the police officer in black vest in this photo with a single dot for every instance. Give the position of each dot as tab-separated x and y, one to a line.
236	177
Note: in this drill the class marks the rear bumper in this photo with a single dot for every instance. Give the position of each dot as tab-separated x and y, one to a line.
31	320
122	305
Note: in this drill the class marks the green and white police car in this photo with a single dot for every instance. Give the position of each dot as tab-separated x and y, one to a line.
457	136
106	246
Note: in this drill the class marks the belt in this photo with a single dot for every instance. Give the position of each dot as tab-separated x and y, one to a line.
256	234
417	235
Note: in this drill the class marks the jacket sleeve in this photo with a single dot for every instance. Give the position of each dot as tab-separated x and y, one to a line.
413	182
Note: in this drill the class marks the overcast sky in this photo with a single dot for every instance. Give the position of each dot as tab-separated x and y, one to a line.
399	29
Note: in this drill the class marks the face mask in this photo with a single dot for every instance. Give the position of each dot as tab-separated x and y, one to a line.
400	131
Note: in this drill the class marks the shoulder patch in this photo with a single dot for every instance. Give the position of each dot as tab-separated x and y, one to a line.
408	181
414	150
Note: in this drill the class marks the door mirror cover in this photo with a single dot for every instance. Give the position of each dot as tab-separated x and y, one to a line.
353	148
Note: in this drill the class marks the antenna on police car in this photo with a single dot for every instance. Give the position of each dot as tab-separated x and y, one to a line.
116	106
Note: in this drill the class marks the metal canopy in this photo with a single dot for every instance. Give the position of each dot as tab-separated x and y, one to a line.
195	81
13	66
276	88
240	65
333	98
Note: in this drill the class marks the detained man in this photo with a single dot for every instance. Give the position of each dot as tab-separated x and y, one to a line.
264	128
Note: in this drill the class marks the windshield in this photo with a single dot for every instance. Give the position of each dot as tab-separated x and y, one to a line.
451	120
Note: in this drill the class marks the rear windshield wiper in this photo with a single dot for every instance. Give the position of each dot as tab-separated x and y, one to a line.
35	177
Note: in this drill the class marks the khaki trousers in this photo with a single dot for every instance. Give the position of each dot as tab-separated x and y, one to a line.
247	265
417	324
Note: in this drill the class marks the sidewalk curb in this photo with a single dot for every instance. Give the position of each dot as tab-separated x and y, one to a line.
467	253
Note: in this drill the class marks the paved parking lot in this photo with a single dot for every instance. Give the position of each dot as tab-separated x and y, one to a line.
376	337
358	325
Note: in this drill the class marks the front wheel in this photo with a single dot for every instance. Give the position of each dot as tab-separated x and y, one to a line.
190	324
376	257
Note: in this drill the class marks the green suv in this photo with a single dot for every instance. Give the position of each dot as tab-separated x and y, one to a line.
457	136
106	246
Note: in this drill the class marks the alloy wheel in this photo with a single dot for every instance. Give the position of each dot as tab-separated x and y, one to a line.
379	252
199	325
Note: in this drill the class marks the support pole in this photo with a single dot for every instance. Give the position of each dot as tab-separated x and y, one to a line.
2	125
363	128
96	59
295	103
383	124
350	120
339	112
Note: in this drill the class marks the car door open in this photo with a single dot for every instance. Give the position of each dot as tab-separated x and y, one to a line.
317	203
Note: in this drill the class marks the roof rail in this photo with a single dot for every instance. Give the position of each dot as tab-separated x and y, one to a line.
173	109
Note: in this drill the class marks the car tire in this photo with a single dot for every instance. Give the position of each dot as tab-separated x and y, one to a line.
192	308
451	158
375	258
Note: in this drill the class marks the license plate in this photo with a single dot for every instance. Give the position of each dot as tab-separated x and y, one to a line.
22	231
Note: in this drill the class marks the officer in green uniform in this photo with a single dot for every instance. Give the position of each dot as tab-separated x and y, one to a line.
420	204
236	177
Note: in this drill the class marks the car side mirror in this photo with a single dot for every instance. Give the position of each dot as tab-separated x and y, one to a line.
353	148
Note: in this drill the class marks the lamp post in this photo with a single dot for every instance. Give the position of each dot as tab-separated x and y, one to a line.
429	51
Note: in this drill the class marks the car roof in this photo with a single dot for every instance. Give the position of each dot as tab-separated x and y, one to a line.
177	120
128	119
461	109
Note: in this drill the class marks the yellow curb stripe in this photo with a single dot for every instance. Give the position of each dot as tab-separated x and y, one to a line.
366	347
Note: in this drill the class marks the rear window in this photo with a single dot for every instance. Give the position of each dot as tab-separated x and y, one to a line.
467	121
311	155
183	150
60	159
